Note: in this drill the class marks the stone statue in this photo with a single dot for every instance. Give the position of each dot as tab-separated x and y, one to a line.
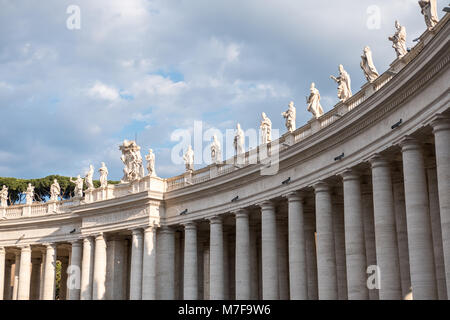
429	11
367	65
4	197
290	116
399	40
189	159
89	178
239	140
314	102
103	176
151	163
216	152
266	129
344	84
55	191
78	186
132	159
29	195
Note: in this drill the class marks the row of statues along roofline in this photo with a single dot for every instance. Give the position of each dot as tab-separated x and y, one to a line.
131	155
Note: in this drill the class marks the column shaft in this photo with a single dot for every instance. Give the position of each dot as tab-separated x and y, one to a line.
136	265
166	264
149	265
74	272
2	271
87	269
99	285
216	259
49	272
243	284
190	262
16	276
35	278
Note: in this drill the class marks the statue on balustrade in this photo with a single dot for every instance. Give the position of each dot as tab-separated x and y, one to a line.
367	65
344	84
103	176
429	11
239	140
189	159
89	178
399	40
290	116
4	197
78	191
55	191
29	195
132	159
216	152
151	163
266	129
314	102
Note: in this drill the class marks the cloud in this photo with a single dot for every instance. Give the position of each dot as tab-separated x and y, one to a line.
102	91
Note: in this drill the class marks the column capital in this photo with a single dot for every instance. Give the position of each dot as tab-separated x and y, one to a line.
241	213
99	237
410	143
267	205
87	239
137	232
166	230
190	225
440	123
215	220
295	196
350	174
49	246
2	250
75	243
25	248
322	186
377	160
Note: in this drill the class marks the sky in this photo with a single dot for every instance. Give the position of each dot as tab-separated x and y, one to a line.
146	68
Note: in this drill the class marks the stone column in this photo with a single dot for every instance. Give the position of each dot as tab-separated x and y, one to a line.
63	284
136	265
436	232
420	241
190	281
87	269
166	264
243	272
24	273
283	258
49	272
206	277
74	271
149	264
7	289
326	260
216	271
99	284
253	256
2	271
385	231
354	237
298	281
42	274
270	285
337	204
35	278
311	255
16	275
441	130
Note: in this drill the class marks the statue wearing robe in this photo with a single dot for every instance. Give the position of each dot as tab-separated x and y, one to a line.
367	65
344	84
4	197
429	11
239	140
55	191
103	176
29	195
314	102
399	40
290	116
78	191
266	129
150	158
216	153
189	159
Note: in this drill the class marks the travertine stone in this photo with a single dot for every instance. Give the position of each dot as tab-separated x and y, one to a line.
149	264
367	65
326	260
2	272
354	237
24	273
16	275
385	231
420	242
49	272
216	259
35	278
75	271
166	264
298	281
311	256
87	268
339	245
99	278
314	105
190	283
136	265
243	256
269	248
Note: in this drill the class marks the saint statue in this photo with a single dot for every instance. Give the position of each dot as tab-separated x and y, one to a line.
89	178
429	11
290	116
78	186
314	102
55	191
266	129
399	40
239	140
189	159
29	195
367	65
103	176
132	159
216	152
151	163
4	197
344	84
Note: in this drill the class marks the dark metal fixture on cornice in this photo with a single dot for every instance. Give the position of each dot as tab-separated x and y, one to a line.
287	181
338	158
235	199
395	126
185	211
446	9
416	39
73	231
